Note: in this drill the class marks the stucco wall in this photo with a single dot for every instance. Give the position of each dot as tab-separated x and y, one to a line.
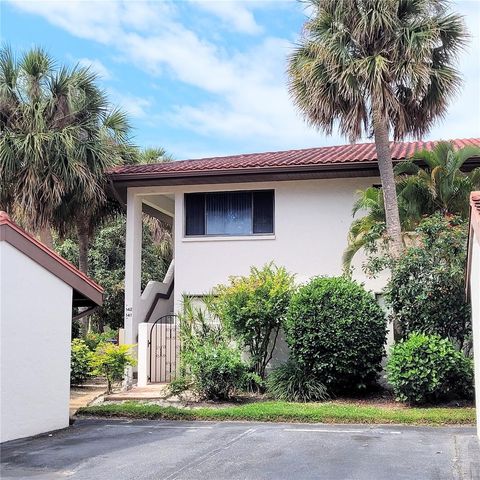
475	299
35	326
312	219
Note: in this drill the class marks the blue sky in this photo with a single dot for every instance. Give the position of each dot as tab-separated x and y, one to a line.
204	78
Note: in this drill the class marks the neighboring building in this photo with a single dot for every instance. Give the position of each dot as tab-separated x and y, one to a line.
227	214
473	288
37	291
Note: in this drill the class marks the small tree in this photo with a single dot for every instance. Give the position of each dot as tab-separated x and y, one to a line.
253	308
111	361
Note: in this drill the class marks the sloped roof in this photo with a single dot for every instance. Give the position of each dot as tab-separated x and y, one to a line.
86	291
354	155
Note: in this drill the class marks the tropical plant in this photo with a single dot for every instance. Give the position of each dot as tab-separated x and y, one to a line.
210	363
253	307
336	331
292	383
110	361
377	67
433	181
438	186
428	368
58	136
426	290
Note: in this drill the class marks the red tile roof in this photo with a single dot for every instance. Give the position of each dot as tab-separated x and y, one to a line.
50	260
340	155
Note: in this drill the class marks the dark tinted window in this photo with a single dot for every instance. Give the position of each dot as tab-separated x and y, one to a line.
229	213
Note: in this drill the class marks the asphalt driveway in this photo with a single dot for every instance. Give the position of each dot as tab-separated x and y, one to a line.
140	450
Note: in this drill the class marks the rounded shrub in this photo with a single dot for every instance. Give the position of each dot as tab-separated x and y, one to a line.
428	368
292	383
80	362
336	330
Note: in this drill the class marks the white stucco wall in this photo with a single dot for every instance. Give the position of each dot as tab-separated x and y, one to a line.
312	219
475	300
35	329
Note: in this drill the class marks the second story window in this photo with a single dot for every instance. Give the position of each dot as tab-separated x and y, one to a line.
229	213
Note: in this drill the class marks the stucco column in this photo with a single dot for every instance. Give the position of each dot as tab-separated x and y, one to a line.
133	270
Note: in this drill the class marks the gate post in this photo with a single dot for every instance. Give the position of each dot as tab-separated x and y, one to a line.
143	354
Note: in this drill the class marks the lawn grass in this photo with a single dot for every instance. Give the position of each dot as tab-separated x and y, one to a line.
275	411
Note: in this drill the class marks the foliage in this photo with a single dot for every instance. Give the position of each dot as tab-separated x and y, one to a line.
178	385
80	362
107	265
355	58
336	331
58	136
94	339
439	186
292	383
111	361
278	411
426	290
253	308
428	368
210	362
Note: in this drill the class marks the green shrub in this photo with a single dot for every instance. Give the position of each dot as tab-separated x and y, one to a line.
178	385
427	287
217	371
210	363
111	361
80	362
336	331
253	308
292	383
93	339
428	368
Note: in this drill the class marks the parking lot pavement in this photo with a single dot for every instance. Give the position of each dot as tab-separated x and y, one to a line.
140	450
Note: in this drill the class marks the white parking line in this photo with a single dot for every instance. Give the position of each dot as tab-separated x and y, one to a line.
325	430
157	427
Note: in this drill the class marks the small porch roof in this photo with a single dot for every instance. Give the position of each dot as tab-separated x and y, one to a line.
86	293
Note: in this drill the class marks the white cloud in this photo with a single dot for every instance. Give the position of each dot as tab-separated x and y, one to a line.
248	99
136	106
233	13
96	66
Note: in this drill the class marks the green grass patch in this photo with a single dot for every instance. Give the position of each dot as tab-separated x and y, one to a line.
273	411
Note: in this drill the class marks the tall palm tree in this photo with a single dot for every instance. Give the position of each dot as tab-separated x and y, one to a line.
377	68
58	135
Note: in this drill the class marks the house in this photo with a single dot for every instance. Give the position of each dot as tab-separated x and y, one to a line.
229	213
38	289
473	289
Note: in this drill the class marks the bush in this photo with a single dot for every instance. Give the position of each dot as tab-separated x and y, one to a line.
209	361
178	385
111	361
80	362
292	383
336	331
427	287
253	308
428	368
93	339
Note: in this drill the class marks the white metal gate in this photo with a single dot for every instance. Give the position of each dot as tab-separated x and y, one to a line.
164	349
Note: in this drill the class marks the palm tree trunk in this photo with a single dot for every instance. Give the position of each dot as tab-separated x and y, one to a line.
45	235
385	165
83	241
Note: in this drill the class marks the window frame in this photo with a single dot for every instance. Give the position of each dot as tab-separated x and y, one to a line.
226	235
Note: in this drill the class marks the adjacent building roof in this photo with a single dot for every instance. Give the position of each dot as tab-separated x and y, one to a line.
324	162
86	292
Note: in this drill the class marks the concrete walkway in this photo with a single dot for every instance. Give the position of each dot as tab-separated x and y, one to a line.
155	391
83	396
153	450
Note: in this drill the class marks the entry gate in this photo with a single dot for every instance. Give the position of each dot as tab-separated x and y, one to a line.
164	349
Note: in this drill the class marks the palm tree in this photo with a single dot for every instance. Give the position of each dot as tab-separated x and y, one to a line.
58	135
433	181
377	68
